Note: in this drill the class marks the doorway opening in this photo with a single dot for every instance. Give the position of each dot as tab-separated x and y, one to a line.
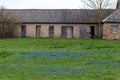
63	32
92	31
23	31
38	27
66	32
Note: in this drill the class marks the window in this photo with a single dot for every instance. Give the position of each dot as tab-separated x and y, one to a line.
114	28
51	31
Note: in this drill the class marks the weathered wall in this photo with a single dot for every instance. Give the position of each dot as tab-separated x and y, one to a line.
108	34
88	25
57	30
44	30
18	31
30	30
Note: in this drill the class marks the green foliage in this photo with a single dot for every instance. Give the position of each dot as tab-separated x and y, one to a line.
59	59
4	54
57	44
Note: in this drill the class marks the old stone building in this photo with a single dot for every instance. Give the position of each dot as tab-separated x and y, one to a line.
111	25
67	23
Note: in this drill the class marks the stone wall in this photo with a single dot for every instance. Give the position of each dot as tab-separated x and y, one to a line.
44	30
30	30
108	34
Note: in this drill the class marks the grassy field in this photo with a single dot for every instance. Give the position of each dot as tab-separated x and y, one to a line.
59	59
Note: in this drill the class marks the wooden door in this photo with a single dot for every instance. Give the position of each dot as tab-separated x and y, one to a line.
38	31
82	32
69	32
64	32
88	32
23	31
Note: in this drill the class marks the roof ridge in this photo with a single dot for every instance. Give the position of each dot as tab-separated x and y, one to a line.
58	9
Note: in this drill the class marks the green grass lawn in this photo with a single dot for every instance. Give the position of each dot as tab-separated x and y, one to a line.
59	59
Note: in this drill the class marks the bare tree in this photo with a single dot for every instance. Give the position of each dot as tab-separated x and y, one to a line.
98	5
8	24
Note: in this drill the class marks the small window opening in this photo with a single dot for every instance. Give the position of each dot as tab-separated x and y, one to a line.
114	28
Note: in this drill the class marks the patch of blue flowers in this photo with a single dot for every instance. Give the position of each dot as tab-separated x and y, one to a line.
107	63
52	70
62	70
106	51
47	55
62	54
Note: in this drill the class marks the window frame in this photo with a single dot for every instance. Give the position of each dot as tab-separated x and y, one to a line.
114	28
51	31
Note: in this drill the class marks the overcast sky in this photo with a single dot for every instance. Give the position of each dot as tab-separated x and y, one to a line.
41	4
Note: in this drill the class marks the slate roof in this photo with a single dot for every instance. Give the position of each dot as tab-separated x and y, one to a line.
114	17
58	15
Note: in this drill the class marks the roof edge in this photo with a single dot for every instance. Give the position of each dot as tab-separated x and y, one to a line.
56	23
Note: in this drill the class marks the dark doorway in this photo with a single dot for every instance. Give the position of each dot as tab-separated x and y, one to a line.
51	32
38	27
92	31
23	31
63	32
